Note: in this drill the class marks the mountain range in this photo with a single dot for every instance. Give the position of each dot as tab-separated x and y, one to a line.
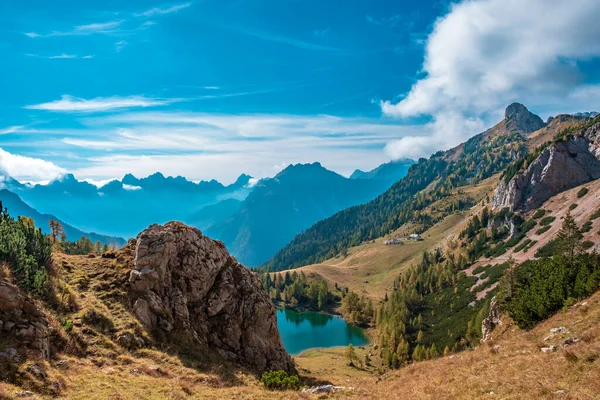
297	197
123	208
240	214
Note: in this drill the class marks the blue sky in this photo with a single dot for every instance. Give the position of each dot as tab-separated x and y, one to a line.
212	89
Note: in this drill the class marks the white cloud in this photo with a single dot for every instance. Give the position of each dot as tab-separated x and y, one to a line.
98	183
27	168
205	146
88	57
83	30
486	54
63	55
73	104
120	45
131	187
163	10
12	129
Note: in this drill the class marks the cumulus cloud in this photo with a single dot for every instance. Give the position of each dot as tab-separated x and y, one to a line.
24	168
74	104
485	54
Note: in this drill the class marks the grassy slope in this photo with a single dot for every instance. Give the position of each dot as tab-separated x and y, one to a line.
380	264
515	370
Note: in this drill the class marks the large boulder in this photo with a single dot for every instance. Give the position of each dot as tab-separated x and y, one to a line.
187	286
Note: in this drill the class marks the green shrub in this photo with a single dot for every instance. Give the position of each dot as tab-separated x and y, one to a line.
27	252
573	206
547	220
540	212
586	227
582	192
67	325
522	245
595	215
587	244
280	380
543	230
543	287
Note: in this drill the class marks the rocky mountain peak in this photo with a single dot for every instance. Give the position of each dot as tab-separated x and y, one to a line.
187	286
519	118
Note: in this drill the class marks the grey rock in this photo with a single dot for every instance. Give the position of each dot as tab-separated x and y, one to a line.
491	321
519	119
186	285
561	166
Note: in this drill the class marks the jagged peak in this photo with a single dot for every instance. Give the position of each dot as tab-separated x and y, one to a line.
518	118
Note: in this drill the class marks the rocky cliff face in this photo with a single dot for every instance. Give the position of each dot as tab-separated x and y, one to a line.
559	167
186	285
22	324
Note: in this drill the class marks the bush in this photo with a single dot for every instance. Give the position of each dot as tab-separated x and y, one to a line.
582	192
280	380
586	227
543	287
573	206
595	215
547	220
539	213
543	230
27	252
588	244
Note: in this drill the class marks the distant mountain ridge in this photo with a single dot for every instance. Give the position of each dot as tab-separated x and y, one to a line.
391	171
281	207
127	206
17	207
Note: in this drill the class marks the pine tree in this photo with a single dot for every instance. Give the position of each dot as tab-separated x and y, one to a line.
569	238
56	229
350	355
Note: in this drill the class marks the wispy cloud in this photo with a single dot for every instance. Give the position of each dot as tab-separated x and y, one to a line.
82	30
74	104
120	45
271	37
163	10
62	56
12	129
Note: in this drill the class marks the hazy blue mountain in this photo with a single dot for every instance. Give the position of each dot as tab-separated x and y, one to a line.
209	215
392	171
17	207
281	207
124	208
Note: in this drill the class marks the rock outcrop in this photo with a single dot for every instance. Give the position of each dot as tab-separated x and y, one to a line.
22	323
518	118
491	321
561	166
186	285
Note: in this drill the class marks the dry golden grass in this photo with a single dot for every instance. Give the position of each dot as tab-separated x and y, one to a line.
510	366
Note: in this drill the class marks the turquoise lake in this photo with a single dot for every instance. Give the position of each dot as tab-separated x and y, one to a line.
306	330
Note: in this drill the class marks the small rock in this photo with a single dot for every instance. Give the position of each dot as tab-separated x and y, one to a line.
570	340
496	348
323	389
548	338
550	349
25	393
62	363
561	329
